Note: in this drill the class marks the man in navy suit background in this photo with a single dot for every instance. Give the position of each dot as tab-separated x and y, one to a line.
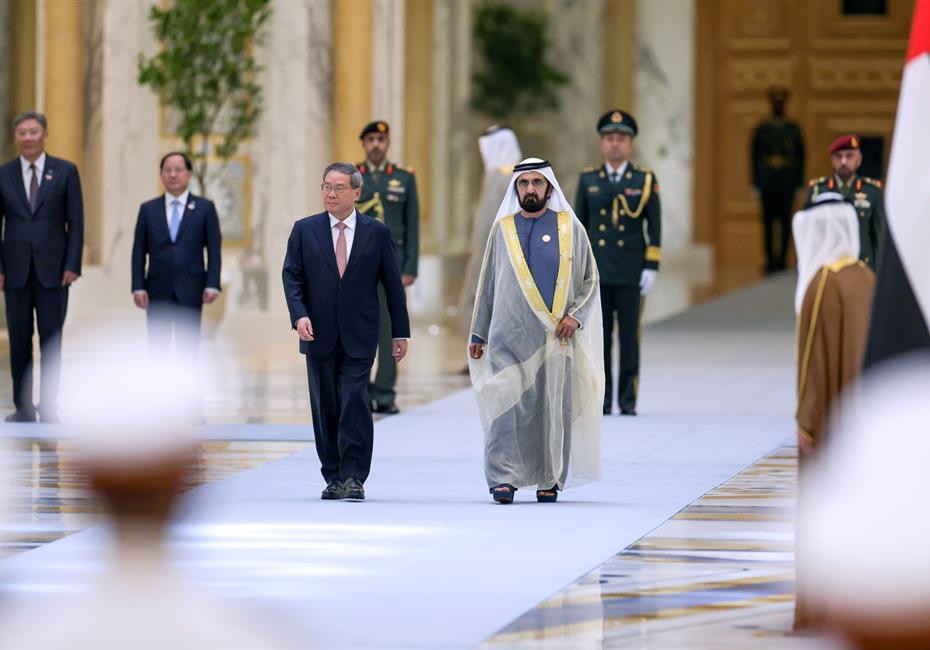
42	218
172	232
334	263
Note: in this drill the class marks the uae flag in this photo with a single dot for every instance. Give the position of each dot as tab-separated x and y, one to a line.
901	308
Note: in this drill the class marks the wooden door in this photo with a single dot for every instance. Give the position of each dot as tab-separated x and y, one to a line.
842	62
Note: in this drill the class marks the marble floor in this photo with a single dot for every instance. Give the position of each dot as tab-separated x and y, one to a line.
690	529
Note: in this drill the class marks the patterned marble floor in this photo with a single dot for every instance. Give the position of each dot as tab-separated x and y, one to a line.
720	574
48	499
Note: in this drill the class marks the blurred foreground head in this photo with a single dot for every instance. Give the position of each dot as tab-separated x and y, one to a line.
130	414
863	535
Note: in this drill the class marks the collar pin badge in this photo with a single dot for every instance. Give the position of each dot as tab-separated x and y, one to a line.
190	206
546	238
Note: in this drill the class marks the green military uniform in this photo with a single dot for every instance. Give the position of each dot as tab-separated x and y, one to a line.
777	171
389	194
623	219
868	199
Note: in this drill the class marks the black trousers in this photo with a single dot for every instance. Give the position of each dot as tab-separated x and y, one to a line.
624	303
339	403
382	386
776	209
167	317
50	305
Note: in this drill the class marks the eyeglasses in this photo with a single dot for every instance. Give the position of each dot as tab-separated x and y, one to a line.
537	183
338	189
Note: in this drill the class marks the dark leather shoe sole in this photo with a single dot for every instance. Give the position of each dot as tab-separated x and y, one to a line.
386	409
20	416
628	412
330	495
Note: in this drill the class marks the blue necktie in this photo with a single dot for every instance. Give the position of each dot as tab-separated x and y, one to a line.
175	220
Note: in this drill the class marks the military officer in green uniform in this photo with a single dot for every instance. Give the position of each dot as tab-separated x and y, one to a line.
865	194
389	194
618	203
777	173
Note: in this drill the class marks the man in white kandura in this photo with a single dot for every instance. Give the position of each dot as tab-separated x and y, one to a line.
536	356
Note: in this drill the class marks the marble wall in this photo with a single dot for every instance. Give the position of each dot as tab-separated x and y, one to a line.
663	106
290	150
123	124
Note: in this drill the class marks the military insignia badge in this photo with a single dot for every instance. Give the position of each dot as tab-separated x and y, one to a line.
382	127
394	183
854	141
616	118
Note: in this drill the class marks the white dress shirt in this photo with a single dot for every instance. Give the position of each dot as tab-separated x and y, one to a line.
619	171
182	205
350	231
350	222
27	173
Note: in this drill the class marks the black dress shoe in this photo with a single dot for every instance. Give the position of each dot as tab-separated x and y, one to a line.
607	410
333	491
353	489
627	411
21	416
385	409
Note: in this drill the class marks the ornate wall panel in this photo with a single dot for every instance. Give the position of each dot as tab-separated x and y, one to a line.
843	72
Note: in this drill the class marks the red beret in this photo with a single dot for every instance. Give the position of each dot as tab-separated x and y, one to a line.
845	142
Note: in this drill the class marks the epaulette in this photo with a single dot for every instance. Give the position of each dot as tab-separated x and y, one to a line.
642	170
404	168
816	181
872	181
588	170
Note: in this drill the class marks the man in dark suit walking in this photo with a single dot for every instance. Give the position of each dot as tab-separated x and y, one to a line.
172	232
334	264
42	218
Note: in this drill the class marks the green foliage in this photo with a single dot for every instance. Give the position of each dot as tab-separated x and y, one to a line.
205	72
512	75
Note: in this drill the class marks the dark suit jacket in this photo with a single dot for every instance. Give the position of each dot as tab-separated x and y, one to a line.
53	238
345	308
177	268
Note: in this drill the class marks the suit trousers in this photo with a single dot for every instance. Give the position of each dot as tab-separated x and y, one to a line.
382	388
169	316
50	305
624	303
343	430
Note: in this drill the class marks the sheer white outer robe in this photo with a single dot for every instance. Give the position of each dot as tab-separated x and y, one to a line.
500	151
539	399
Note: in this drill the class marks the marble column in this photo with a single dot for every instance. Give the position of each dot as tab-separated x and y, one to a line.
572	140
664	84
388	70
619	53
292	147
6	78
64	78
123	119
418	111
24	55
352	74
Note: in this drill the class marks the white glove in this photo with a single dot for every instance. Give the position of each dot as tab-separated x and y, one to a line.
646	280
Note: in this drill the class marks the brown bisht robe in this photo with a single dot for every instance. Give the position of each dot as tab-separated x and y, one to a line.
833	328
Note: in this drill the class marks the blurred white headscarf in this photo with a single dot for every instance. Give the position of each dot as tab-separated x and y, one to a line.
825	233
499	148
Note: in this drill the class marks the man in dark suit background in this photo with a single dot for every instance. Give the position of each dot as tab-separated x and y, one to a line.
42	218
335	261
172	232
